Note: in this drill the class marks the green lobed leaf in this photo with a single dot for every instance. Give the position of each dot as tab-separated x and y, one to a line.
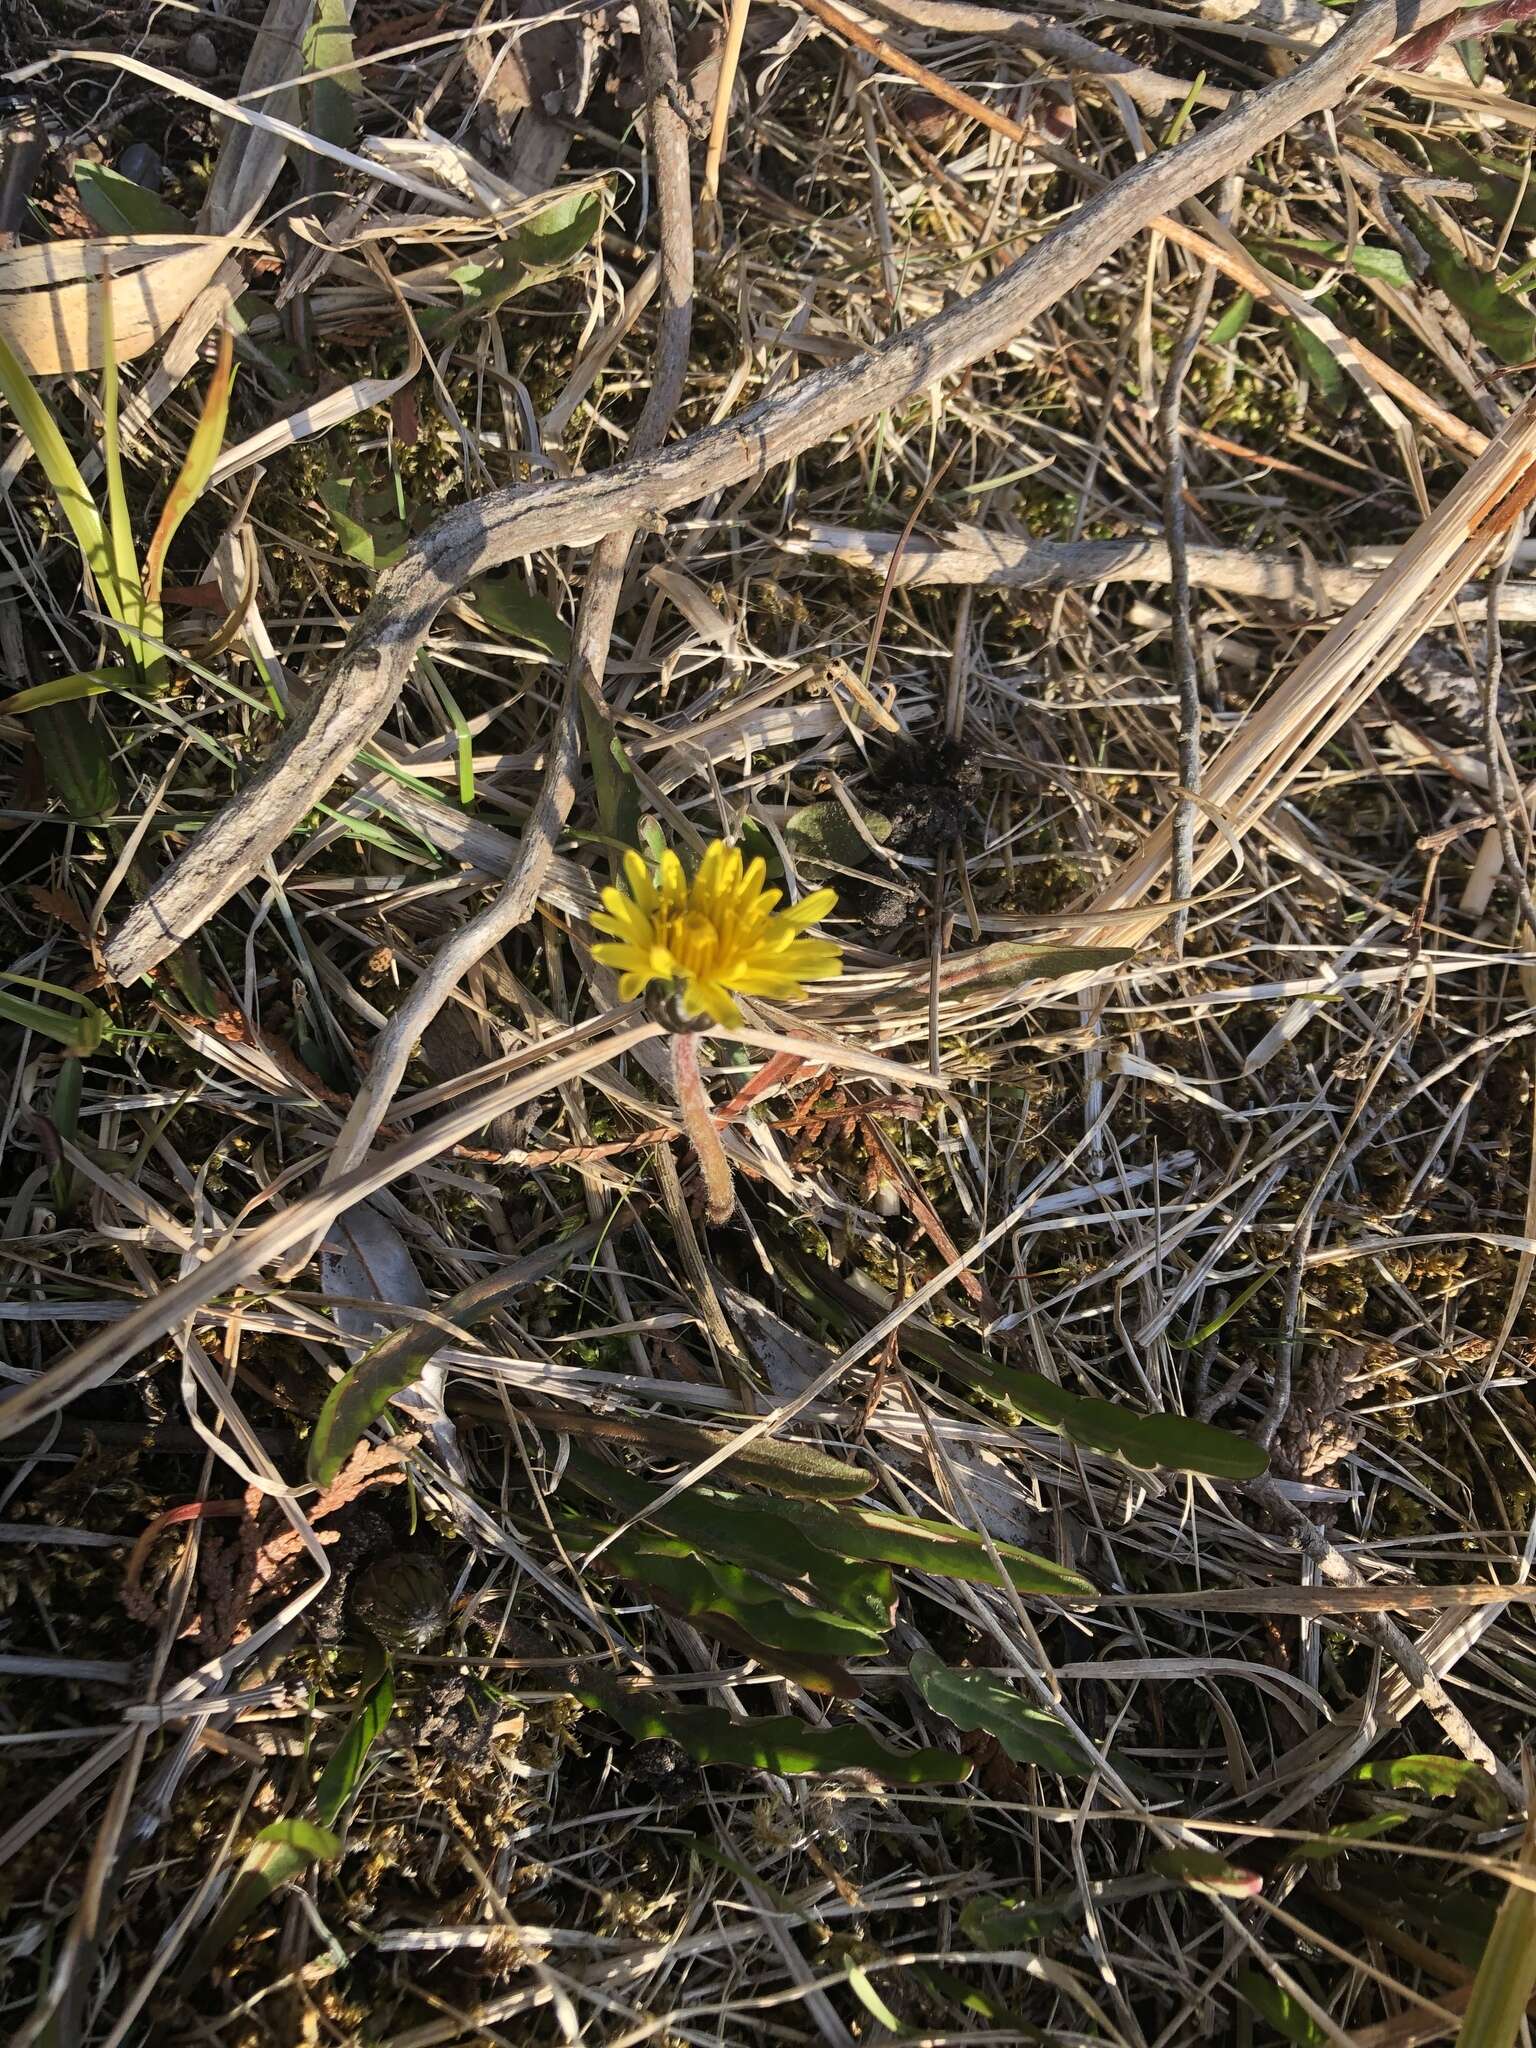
1175	1442
977	1702
780	1743
280	1853
1441	1777
796	1470
705	1588
762	1536
818	1542
938	1547
1497	318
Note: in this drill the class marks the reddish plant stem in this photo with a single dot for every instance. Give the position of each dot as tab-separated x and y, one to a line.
698	1120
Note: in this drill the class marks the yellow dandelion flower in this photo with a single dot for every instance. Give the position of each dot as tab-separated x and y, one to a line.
718	936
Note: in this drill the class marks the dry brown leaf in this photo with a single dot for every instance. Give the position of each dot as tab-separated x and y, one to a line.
50	296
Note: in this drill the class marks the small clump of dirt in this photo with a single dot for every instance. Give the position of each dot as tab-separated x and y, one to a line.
926	790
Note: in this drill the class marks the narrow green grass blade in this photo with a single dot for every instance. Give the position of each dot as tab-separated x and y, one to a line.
35	418
90	682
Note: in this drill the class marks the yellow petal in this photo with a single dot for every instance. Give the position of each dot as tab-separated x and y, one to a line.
812	909
638	876
709	999
673	880
631	957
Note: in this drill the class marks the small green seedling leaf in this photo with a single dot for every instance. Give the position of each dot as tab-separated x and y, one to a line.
36	419
870	1999
979	1703
1366	259
1012	1923
1322	367
76	763
362	1394
1232	321
339	1780
537	251
1339	1839
1502	190
613	779
1498	321
558	235
280	1853
1440	1777
126	600
65	1112
90	682
1283	2013
508	606
115	205
371	547
1204	1871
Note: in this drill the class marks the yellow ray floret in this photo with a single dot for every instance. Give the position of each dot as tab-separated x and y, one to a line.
722	934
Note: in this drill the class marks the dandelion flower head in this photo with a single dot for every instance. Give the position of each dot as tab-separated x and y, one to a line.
718	936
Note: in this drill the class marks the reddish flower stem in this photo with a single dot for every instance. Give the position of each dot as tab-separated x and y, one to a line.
699	1122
